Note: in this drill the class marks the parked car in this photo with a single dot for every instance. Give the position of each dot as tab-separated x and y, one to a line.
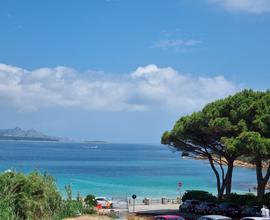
228	209
214	217
204	207
252	211
255	218
168	217
188	205
103	202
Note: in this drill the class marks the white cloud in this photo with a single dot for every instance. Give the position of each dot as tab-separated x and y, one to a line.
147	88
249	6
176	43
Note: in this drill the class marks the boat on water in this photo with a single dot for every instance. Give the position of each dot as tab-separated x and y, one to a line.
91	147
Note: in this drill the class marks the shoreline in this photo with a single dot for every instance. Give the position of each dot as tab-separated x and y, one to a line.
237	163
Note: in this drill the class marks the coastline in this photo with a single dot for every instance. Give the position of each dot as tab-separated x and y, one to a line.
237	163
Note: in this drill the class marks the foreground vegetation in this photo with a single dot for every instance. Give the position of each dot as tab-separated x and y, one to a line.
35	196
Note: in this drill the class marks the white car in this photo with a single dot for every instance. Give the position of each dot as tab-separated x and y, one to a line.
104	202
214	217
255	218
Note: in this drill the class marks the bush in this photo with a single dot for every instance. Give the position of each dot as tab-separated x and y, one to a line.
89	210
69	208
33	196
90	200
266	199
7	209
199	195
248	199
73	208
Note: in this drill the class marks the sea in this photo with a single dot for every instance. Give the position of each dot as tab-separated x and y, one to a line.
117	170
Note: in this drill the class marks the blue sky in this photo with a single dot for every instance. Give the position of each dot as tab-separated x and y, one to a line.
125	70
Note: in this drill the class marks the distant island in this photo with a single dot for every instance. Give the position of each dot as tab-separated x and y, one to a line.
29	135
18	134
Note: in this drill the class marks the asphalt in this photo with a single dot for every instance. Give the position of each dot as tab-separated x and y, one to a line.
187	216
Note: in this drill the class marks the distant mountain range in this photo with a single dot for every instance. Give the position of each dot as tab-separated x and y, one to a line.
20	134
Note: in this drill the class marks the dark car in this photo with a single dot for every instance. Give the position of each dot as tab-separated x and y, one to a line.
254	211
189	205
228	209
204	207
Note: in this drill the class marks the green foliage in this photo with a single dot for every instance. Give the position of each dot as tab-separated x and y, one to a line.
249	143
248	199
73	208
165	139
7	208
199	195
32	196
35	196
242	118
266	199
69	192
70	208
90	200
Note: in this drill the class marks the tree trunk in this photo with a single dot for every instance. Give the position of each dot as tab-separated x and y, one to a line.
229	175
259	175
261	180
220	189
224	182
260	190
226	177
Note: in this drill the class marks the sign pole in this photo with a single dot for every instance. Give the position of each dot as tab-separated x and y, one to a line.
180	184
134	197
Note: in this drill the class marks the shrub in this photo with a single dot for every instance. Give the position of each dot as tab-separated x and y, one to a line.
33	196
199	195
89	210
241	199
73	208
90	200
248	199
69	208
266	199
7	209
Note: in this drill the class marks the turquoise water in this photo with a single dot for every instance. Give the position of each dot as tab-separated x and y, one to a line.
116	169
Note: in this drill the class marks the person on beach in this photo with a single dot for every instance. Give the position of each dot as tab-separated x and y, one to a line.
265	212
